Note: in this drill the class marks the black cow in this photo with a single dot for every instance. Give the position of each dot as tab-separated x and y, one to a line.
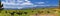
32	11
12	14
19	13
25	12
48	12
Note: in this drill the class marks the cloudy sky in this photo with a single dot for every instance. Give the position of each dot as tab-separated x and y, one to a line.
28	3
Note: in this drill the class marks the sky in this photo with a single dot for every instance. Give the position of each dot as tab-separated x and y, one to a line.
28	3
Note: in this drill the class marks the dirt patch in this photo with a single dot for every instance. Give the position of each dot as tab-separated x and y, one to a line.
45	15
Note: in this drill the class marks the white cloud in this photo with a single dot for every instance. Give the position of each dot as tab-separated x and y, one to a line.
26	0
40	2
23	4
12	3
27	3
8	3
2	2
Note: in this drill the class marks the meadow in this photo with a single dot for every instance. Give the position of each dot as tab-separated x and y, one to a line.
31	12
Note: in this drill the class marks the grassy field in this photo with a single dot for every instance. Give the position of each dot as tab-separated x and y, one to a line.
31	12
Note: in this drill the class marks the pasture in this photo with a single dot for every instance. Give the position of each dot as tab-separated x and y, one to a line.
31	12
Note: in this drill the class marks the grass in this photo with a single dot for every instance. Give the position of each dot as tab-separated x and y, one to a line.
30	12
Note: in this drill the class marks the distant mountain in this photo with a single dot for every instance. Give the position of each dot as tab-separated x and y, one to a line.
32	7
46	6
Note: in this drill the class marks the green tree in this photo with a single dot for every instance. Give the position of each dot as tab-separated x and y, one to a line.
59	4
1	7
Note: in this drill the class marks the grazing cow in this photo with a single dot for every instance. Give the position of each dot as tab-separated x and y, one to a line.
5	11
25	12
32	11
19	13
48	12
12	14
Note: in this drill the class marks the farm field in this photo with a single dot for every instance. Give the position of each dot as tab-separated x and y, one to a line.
32	12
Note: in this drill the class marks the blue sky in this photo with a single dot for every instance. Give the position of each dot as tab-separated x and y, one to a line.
53	2
46	1
29	3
